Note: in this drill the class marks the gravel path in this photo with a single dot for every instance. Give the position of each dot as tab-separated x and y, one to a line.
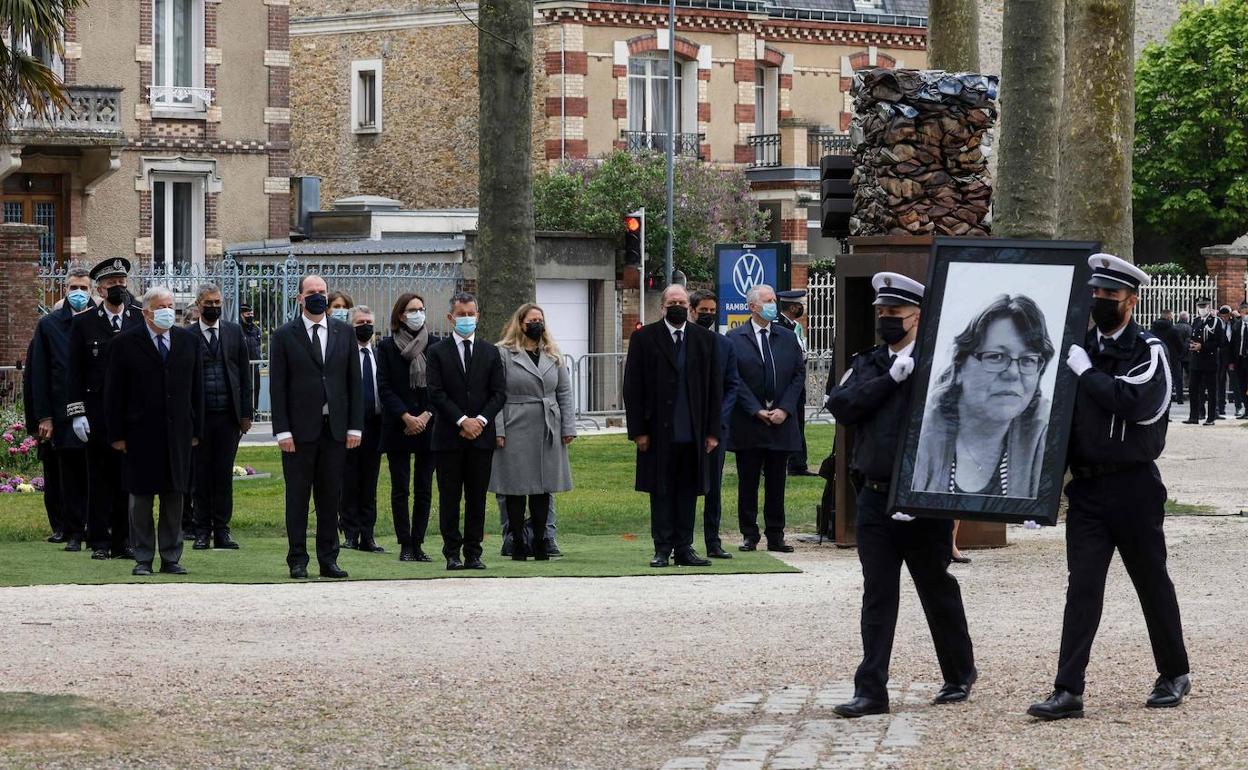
730	672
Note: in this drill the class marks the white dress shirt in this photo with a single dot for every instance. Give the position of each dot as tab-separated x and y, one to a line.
110	315
1100	338
164	335
459	348
906	351
757	329
204	327
671	331
321	334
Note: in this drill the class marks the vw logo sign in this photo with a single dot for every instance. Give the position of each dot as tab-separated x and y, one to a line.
747	273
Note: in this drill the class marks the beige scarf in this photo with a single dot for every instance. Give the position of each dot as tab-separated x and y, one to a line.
412	347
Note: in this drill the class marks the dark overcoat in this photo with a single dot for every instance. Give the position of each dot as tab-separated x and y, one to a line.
49	375
749	432
399	397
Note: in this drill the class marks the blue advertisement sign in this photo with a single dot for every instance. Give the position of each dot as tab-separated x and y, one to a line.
740	267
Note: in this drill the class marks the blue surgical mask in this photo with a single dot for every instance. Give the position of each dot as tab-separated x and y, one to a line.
415	319
340	314
465	325
78	299
163	317
769	312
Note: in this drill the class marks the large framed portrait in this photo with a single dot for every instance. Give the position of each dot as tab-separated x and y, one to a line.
991	404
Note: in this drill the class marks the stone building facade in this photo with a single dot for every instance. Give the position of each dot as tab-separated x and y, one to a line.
176	140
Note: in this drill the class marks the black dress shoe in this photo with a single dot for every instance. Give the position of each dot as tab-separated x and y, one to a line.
453	563
123	553
552	548
420	555
142	569
1210	422
1168	693
952	693
1191	422
717	552
802	472
223	541
74	544
332	570
407	553
172	568
507	545
201	543
188	535
298	573
660	559
690	558
781	547
1059	705
748	545
350	541
861	707
474	563
370	546
101	554
519	554
57	537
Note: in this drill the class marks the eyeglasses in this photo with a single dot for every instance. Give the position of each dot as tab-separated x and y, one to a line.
996	362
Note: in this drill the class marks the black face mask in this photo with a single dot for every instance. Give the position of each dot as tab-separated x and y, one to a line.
1105	314
364	332
116	295
796	311
891	329
316	303
706	320
534	330
248	320
210	313
677	315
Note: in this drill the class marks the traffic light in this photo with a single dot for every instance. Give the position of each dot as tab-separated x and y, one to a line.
635	237
836	195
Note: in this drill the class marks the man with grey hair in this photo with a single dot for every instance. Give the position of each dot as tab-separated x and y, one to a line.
227	416
155	398
358	516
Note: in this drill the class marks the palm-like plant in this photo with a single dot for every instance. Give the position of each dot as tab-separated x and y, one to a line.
28	87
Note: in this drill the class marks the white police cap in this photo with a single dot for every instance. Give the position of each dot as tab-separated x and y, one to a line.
1110	272
896	289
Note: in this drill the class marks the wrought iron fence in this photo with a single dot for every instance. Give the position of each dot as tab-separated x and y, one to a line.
687	145
820	315
10	387
820	143
766	150
1173	292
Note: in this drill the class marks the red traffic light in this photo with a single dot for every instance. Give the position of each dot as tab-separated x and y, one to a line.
632	224
637	326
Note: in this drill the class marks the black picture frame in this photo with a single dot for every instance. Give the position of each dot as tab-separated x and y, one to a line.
987	262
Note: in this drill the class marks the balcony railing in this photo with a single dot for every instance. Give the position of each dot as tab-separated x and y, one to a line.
180	97
766	150
820	143
90	109
687	145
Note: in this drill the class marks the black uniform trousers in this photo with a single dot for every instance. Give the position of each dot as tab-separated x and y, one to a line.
71	471
1204	394
1239	382
772	466
713	507
53	500
410	473
108	506
463	474
1123	510
359	483
672	513
1177	368
1224	376
313	470
925	546
213	501
798	461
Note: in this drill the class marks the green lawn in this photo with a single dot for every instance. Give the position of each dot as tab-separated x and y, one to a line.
604	528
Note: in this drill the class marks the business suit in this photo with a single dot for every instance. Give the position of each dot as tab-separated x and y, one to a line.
460	389
409	458
155	405
316	402
358	516
1237	355
47	457
712	508
771	377
228	405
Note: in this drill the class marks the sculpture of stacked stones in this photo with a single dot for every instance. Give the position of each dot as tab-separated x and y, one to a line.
921	140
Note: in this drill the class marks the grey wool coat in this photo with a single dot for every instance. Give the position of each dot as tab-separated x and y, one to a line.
537	415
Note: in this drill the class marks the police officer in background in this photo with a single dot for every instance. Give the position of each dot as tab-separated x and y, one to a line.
872	396
1116	496
1208	335
791	309
90	341
251	336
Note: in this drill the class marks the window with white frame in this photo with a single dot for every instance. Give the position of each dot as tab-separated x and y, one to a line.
649	103
177	221
178	55
366	93
766	100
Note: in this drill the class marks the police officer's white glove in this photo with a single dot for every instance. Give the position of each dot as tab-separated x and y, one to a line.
1077	359
901	368
899	516
1030	524
82	428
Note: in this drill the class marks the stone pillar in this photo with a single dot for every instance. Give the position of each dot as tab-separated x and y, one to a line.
1230	264
19	261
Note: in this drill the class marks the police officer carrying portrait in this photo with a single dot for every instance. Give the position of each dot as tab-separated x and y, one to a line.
90	340
1116	496
872	396
1208	335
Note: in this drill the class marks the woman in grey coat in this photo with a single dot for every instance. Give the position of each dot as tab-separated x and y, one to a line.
534	428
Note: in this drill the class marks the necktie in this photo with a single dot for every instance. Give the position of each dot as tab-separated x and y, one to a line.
116	323
679	335
769	368
366	381
161	348
467	355
212	339
316	345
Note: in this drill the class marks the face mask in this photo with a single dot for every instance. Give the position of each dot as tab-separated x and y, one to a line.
1105	314
315	303
340	314
706	320
78	299
163	317
364	332
415	319
796	311
1201	312
891	329
677	315
768	312
248	320
210	313
534	330
116	295
465	325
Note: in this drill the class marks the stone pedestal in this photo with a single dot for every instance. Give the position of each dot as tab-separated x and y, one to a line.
19	285
1229	263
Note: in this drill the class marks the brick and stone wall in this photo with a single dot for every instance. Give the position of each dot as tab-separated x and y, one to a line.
19	256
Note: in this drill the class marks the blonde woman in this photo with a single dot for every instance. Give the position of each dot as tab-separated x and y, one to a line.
534	429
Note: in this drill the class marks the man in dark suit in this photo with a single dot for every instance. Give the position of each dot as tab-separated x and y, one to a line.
318	414
1184	329
154	394
1237	357
90	340
764	426
672	394
227	416
359	482
1224	358
1208	336
1164	329
467	388
706	314
252	336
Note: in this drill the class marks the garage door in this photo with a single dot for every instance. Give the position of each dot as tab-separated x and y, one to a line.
567	317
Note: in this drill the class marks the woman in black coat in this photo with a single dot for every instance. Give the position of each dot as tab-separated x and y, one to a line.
407	422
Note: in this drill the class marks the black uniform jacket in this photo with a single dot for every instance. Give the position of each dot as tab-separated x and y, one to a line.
90	337
868	398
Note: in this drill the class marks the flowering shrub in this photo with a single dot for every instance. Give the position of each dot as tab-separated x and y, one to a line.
18	451
11	483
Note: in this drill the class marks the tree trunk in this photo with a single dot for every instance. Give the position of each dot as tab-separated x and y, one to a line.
505	244
1097	132
1025	199
953	35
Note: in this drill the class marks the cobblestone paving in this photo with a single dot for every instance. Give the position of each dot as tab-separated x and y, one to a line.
794	728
